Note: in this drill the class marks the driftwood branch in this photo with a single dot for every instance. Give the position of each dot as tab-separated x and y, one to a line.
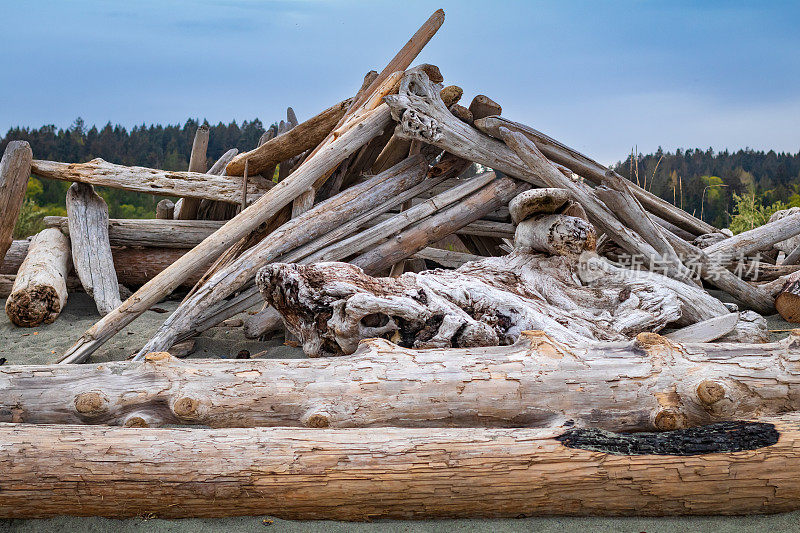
15	168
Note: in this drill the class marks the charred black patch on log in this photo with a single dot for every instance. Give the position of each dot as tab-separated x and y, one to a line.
723	437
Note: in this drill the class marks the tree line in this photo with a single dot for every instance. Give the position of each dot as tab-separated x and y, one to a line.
716	186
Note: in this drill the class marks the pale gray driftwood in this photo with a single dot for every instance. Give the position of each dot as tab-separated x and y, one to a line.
197	163
705	331
39	293
91	250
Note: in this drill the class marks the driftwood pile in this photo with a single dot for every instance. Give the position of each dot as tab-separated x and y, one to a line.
489	386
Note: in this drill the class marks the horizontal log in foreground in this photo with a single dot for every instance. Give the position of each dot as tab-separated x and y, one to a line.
643	385
151	181
361	474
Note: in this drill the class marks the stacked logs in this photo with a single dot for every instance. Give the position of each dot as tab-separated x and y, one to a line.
527	374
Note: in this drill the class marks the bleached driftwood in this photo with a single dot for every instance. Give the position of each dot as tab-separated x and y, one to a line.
707	267
645	384
537	202
15	168
165	209
595	172
555	235
148	180
332	306
362	474
705	331
134	265
783	227
322	219
210	210
197	163
259	212
91	251
306	135
150	232
39	293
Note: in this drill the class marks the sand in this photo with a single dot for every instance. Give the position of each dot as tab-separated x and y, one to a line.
44	345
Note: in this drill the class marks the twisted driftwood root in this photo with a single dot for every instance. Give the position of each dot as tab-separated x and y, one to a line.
575	299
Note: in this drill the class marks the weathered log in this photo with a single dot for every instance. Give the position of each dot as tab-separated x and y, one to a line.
483	106
446	258
617	196
555	235
322	219
15	168
332	306
537	202
91	250
134	265
197	163
397	223
39	293
440	225
245	222
7	284
621	386
760	238
148	180
485	228
150	232
305	136
707	268
361	474
165	209
705	331
787	302
595	172
210	210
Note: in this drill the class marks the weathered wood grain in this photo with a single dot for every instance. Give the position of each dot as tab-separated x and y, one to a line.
15	168
91	250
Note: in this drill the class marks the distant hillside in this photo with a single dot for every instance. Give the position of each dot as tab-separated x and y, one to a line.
705	183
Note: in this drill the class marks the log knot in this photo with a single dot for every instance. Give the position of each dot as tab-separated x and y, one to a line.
91	403
710	392
186	407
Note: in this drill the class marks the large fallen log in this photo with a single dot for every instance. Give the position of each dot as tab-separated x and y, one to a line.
757	239
245	222
646	384
91	250
359	474
149	232
149	180
15	168
39	293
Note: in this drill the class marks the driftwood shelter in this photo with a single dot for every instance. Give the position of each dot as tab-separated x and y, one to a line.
496	325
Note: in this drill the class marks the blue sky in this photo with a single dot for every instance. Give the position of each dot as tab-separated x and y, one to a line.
600	76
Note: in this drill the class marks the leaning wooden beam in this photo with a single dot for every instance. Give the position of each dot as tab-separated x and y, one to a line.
304	136
39	293
433	229
757	239
91	250
397	223
148	180
363	474
382	384
257	213
313	224
595	172
150	232
197	163
15	168
210	210
484	228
